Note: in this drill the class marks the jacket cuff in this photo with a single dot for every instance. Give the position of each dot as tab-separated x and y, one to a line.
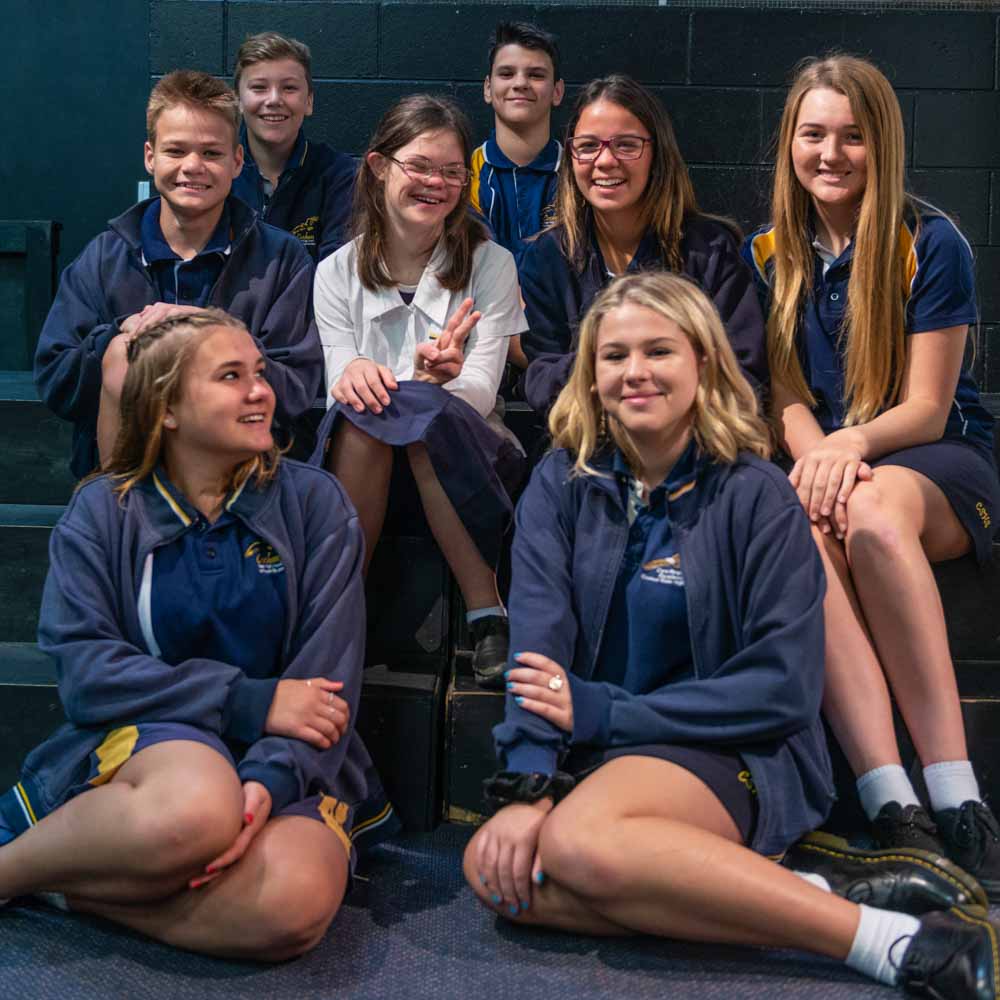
279	781
526	758
104	338
591	711
246	709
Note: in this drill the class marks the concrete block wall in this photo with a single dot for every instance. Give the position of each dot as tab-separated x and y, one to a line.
720	72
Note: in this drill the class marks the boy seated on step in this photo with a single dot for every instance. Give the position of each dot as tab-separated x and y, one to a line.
514	171
294	183
192	245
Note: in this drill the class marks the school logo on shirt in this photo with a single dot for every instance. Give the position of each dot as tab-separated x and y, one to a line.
306	230
666	570
984	514
268	560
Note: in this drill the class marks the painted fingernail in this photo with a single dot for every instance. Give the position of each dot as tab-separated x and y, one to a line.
524	906
510	685
539	877
506	675
209	869
248	818
519	700
496	900
482	880
514	909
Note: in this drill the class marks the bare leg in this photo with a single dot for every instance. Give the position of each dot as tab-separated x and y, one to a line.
895	524
166	813
476	580
364	467
647	847
114	367
855	696
275	903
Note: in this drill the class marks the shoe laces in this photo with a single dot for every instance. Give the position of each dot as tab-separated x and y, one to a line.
975	822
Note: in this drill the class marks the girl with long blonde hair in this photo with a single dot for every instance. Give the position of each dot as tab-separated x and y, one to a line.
205	609
662	733
870	294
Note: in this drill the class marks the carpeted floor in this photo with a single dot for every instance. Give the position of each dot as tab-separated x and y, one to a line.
412	930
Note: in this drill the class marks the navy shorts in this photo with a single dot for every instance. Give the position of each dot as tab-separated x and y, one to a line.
967	475
479	466
724	772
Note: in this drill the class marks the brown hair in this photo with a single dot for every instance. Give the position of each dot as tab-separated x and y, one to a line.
195	90
158	361
401	124
726	420
669	196
874	320
268	46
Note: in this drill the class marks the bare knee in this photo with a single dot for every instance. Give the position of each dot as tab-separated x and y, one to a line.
876	524
297	908
577	854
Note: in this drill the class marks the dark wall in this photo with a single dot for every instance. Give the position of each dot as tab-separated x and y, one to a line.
720	72
75	79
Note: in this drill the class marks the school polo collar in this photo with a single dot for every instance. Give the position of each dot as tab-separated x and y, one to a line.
295	159
154	246
431	298
171	512
547	161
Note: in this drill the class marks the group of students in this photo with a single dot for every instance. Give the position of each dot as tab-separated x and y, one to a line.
756	454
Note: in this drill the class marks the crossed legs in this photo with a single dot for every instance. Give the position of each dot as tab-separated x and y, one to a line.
127	849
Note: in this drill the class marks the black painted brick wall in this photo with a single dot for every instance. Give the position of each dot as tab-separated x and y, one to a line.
721	74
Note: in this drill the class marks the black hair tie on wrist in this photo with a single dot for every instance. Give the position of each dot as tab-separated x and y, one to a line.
507	787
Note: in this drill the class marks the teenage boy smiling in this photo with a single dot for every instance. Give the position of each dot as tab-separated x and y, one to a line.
514	171
296	184
191	246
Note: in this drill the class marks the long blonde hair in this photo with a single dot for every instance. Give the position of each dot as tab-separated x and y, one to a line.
875	344
669	196
726	420
158	361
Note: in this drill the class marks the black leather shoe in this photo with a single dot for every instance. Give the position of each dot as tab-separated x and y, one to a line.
952	957
491	643
906	880
906	826
972	839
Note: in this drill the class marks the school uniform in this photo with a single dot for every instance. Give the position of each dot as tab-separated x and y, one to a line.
166	627
517	202
557	293
252	270
474	457
312	199
693	632
940	293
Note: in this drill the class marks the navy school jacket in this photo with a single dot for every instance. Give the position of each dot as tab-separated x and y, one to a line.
556	296
754	586
313	198
90	624
266	282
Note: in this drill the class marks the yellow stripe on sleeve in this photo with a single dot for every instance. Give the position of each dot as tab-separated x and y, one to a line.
478	159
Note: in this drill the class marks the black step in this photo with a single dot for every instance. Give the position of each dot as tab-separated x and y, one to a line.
34	459
24	560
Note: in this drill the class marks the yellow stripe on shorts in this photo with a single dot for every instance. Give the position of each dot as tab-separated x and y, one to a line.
113	752
335	813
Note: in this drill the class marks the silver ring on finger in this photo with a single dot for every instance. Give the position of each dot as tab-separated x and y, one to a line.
556	683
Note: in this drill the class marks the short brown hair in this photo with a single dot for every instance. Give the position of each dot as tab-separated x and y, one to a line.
268	46
200	91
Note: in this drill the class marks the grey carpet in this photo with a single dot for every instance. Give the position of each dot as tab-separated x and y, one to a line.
412	930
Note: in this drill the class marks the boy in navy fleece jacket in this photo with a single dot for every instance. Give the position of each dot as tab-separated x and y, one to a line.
193	246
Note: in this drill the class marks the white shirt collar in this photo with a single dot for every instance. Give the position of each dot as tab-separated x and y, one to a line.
431	298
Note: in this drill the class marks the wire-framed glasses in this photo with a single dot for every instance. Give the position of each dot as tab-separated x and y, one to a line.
419	169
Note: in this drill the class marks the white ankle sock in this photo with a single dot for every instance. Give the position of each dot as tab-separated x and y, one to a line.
950	783
878	931
889	783
816	880
497	611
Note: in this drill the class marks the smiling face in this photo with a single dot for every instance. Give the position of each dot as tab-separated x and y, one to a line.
608	184
828	152
226	405
275	99
521	87
646	374
194	161
420	204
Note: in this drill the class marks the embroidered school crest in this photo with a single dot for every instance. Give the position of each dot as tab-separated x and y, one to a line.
268	561
306	230
664	570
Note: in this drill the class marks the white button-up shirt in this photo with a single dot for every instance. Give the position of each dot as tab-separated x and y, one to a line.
357	323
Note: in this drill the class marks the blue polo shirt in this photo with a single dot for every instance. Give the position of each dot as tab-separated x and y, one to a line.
516	201
216	591
938	265
179	281
647	642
